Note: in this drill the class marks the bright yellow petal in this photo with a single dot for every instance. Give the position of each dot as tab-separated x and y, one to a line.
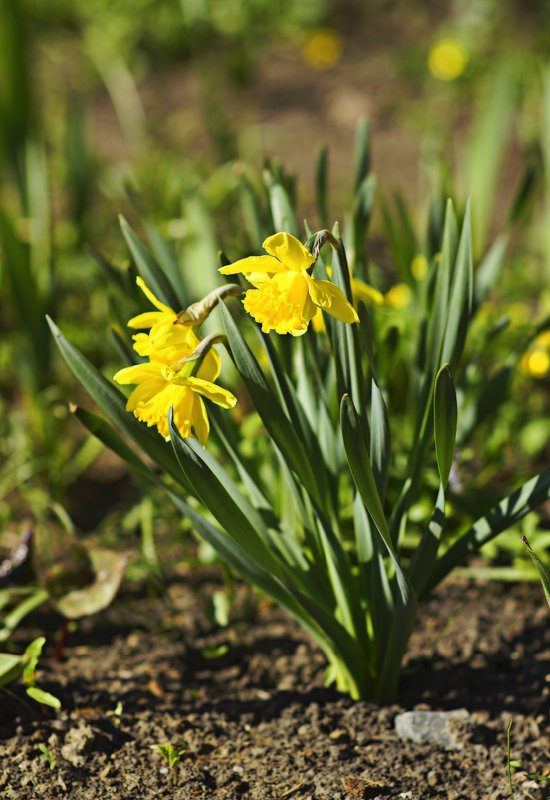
222	397
146	320
210	366
182	402
154	412
168	342
201	423
332	300
260	264
151	297
138	373
289	250
282	304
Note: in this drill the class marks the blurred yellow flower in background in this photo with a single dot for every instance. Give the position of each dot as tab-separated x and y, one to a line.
398	296
536	361
419	267
447	59
323	49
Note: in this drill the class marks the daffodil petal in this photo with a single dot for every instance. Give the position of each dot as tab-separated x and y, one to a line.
210	367
222	397
138	373
145	320
289	250
151	297
145	392
332	300
261	264
201	423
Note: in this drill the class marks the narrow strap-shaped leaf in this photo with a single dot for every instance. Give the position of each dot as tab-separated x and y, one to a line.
28	303
405	609
425	554
445	420
489	269
440	304
238	557
509	511
362	158
148	268
461	296
250	512
380	440
363	206
167	262
255	491
278	424
321	185
101	429
225	508
363	476
541	569
284	218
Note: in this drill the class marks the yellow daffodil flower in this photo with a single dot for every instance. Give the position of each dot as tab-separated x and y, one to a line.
166	380
286	297
166	341
160	386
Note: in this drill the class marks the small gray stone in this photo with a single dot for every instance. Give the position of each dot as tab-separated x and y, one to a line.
434	727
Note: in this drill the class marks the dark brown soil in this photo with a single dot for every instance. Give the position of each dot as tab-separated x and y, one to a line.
248	705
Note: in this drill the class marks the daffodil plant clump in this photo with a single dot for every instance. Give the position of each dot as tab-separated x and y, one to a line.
303	466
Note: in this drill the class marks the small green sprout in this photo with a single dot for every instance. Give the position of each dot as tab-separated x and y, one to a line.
48	756
116	714
172	755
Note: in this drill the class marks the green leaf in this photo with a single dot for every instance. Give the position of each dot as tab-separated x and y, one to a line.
541	569
11	667
444	270
424	556
284	218
445	421
362	158
148	268
44	698
380	439
226	508
255	563
283	433
509	511
28	303
12	620
489	269
460	297
32	654
321	181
